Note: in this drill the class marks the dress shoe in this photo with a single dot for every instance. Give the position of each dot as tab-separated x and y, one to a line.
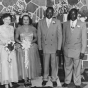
21	81
44	83
54	84
27	84
12	87
65	85
78	86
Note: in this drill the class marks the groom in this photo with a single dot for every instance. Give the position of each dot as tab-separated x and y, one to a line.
49	42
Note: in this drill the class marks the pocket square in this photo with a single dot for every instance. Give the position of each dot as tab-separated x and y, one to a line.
78	25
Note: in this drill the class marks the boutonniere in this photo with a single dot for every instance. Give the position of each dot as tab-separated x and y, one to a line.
53	22
78	26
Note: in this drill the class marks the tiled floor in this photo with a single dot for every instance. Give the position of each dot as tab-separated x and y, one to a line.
37	84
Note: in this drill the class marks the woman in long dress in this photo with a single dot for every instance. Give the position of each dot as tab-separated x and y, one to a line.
29	58
9	70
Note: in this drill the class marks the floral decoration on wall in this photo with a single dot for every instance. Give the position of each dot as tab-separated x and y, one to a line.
37	7
61	8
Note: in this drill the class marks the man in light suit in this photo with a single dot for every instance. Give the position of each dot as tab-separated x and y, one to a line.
74	45
49	42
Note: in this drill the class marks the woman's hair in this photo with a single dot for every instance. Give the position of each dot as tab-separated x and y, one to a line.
69	14
21	19
5	15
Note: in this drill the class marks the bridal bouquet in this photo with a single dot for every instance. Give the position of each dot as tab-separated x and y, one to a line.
26	44
26	41
9	48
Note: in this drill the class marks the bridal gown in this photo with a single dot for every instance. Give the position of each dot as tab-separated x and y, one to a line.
9	72
34	66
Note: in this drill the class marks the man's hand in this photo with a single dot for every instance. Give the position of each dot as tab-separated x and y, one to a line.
81	56
41	52
57	52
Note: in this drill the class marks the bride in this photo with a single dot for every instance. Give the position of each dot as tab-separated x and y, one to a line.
29	60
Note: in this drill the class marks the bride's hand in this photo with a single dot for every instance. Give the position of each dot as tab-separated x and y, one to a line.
17	46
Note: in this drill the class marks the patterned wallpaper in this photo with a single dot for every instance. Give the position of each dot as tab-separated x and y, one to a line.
36	7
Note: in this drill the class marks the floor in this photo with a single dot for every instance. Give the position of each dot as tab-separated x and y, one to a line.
36	83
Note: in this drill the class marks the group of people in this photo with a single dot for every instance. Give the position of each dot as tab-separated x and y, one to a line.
20	48
19	57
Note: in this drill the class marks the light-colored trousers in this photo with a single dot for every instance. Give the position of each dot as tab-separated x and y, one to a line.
72	66
54	66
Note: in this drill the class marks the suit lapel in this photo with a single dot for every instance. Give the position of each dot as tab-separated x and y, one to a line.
76	25
51	24
50	28
69	27
76	29
45	24
46	29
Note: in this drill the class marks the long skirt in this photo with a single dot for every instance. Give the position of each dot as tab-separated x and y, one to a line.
9	72
34	65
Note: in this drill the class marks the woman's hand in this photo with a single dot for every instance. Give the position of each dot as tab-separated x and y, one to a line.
18	45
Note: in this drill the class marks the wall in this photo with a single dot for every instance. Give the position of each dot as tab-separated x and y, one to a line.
36	7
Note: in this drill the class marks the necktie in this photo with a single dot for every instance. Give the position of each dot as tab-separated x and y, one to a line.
72	25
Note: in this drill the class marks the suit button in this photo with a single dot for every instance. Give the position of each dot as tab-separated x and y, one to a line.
51	44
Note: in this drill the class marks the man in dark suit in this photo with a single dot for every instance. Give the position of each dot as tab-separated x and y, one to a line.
74	45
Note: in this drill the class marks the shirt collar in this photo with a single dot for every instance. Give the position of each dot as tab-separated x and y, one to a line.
74	22
48	19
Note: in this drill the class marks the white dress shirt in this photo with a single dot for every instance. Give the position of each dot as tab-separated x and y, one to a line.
48	21
73	23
